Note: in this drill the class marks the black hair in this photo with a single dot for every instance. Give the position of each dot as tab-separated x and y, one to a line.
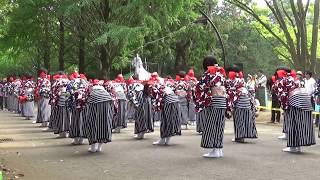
146	91
308	73
288	70
42	70
209	61
135	77
60	73
168	77
233	68
182	74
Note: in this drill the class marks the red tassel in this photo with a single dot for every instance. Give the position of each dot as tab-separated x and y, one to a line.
281	73
293	74
130	80
212	69
56	76
273	79
82	76
232	75
240	74
187	78
191	73
96	81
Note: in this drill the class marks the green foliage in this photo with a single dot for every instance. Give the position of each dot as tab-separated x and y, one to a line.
29	35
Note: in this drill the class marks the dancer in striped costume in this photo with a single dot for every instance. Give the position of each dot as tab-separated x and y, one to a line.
61	122
10	93
241	106
130	105
21	94
2	83
5	93
16	93
139	96
211	97
78	91
98	123
27	97
282	93
156	113
118	90
299	109
167	102
183	91
42	94
192	107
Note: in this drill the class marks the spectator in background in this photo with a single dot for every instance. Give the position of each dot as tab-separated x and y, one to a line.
310	85
275	114
261	88
251	84
1	94
300	77
317	101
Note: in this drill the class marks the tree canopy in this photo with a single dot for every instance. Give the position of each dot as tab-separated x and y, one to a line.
101	37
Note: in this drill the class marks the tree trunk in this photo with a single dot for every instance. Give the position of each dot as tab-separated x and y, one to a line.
303	28
314	44
81	53
61	44
104	58
46	46
181	55
81	45
104	63
38	59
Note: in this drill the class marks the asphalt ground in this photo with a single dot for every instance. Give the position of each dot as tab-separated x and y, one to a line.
30	153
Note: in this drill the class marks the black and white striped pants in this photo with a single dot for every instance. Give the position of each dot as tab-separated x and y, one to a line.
62	120
285	122
213	128
120	119
39	119
52	116
76	125
300	127
171	120
184	111
199	121
98	123
143	120
244	123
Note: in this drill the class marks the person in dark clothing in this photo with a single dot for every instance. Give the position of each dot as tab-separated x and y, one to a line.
1	94
275	114
317	101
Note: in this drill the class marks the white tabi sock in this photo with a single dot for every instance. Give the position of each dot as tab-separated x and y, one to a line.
99	147
161	141
93	147
167	140
80	140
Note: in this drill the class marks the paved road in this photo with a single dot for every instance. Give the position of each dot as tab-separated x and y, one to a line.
39	155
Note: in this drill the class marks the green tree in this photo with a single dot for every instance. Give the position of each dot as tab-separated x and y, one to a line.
291	21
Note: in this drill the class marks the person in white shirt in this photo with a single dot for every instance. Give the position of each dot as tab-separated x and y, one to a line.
310	85
301	79
261	88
